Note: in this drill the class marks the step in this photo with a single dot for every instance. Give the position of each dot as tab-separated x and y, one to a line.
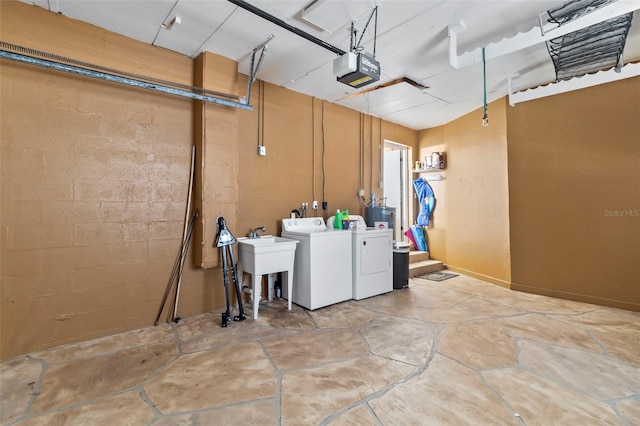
424	267
418	256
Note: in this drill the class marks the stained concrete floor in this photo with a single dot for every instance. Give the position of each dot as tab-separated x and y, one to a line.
457	352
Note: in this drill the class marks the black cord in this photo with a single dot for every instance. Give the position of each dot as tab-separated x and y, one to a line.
313	147
361	153
360	48
324	175
262	111
259	112
375	32
371	148
352	47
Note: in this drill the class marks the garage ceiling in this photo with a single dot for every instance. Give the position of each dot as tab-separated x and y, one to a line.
412	42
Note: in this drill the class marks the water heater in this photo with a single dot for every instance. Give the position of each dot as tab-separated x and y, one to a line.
380	214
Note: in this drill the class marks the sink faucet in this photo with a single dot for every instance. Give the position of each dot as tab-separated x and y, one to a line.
255	234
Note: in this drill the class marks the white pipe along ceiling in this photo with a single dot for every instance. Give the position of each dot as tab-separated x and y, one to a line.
429	52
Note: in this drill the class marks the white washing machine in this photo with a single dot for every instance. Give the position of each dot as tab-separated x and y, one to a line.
372	268
322	271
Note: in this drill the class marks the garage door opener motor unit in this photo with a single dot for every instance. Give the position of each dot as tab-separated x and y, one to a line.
357	68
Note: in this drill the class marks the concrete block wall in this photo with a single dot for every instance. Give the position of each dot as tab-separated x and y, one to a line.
94	186
94	180
91	217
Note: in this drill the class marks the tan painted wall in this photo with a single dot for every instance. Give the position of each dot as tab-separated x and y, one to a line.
292	172
574	177
569	225
94	181
433	140
470	227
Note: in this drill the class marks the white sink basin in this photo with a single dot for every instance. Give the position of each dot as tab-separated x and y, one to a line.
267	254
264	239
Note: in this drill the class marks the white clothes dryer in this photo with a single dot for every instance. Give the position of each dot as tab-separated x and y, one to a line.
322	270
372	269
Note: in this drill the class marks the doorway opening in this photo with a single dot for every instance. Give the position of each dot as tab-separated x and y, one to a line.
396	169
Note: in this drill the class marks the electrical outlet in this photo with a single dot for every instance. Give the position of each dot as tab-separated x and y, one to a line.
314	205
262	150
360	192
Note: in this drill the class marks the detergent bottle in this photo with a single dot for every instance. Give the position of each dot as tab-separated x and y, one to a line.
337	222
345	216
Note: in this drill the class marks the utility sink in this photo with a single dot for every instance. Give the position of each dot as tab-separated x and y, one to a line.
264	239
265	256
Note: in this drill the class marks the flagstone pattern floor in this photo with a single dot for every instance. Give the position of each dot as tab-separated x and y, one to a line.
457	352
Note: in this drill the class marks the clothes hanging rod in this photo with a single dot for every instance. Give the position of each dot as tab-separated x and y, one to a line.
264	15
59	65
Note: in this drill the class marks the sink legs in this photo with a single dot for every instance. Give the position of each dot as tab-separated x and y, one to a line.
256	294
256	287
289	275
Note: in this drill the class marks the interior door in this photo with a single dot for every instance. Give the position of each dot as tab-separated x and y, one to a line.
394	187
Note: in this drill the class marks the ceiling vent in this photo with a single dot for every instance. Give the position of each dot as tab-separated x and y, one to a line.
330	16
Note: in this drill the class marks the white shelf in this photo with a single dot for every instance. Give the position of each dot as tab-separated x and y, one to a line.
428	170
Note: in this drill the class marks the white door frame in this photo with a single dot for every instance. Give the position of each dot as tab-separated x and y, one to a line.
403	221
